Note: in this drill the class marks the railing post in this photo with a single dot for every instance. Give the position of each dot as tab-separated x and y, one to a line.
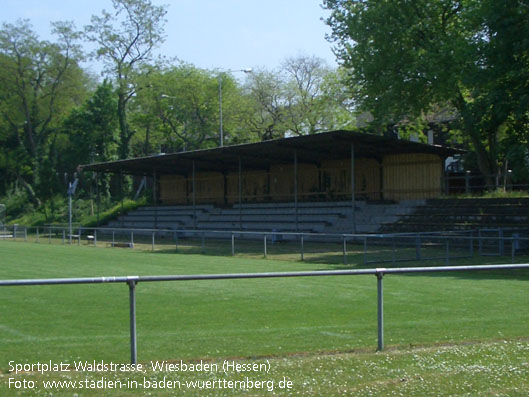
380	308
365	250
302	248
447	253
501	242
132	306
480	243
393	253
418	247
344	251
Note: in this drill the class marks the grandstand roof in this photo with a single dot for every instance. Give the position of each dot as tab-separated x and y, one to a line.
260	155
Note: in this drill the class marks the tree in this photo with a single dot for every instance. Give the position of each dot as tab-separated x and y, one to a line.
265	111
185	102
304	97
39	82
308	108
126	39
405	57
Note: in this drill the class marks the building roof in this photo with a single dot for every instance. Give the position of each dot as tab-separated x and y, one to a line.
308	148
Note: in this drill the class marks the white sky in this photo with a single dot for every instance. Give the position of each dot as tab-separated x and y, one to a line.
223	34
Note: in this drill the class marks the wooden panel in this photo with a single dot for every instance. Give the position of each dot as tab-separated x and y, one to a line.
209	187
282	182
254	186
336	179
173	189
412	176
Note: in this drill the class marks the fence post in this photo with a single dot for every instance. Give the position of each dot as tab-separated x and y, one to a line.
79	231
132	306
380	308
15	233
501	242
63	236
37	235
472	244
302	248
264	247
113	238
95	237
131	239
512	249
393	254
152	246
344	251
365	250
232	244
418	247
25	233
176	241
480	243
49	235
447	251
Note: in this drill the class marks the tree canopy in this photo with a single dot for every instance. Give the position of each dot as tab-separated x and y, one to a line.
406	58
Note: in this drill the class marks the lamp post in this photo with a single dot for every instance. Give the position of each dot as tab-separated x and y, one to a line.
248	70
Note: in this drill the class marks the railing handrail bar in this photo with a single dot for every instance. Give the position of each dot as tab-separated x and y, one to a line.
226	276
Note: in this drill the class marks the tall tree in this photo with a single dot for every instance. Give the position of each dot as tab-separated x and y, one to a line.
304	97
405	57
39	82
185	100
126	39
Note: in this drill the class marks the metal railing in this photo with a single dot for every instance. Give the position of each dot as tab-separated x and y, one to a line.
132	281
391	248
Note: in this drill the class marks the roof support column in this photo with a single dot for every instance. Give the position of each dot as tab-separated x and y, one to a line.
353	206
240	193
194	197
154	198
296	187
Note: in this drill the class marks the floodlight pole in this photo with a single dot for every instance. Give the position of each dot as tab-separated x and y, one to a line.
247	70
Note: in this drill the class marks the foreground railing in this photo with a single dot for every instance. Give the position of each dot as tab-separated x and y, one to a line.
132	281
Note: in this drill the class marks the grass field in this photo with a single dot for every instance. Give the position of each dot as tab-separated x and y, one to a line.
446	334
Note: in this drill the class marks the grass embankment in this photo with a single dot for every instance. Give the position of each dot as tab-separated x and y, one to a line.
309	324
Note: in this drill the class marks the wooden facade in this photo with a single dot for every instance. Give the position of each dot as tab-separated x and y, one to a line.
394	177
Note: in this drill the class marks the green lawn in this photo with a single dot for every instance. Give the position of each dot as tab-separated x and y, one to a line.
303	322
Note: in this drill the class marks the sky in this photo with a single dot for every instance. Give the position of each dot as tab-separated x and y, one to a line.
210	34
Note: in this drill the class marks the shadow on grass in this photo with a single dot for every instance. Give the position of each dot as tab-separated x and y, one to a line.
331	257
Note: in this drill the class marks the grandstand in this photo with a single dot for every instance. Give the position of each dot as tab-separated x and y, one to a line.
338	181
